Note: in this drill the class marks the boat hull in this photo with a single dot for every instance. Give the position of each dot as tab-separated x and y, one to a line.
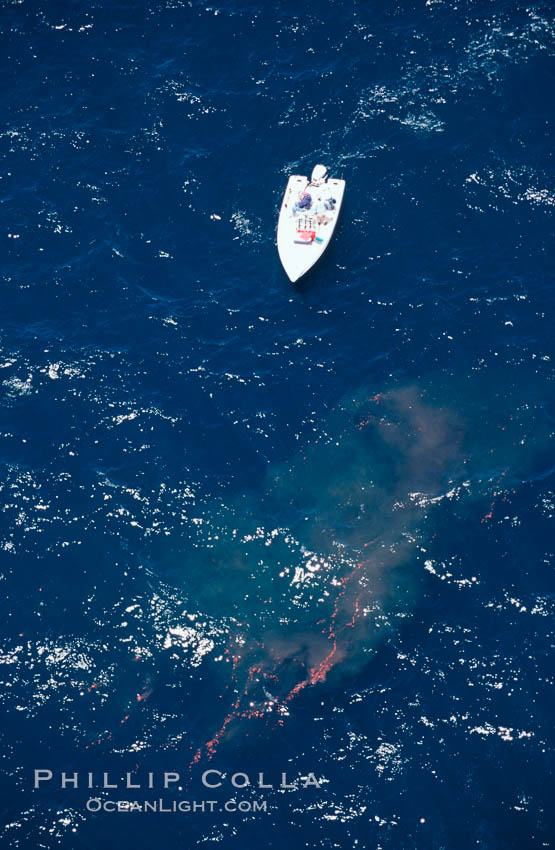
303	236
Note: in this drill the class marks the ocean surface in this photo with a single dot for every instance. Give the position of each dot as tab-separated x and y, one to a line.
253	527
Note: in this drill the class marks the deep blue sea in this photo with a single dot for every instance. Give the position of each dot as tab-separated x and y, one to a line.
254	527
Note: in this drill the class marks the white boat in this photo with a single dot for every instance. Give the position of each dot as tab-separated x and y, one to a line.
307	219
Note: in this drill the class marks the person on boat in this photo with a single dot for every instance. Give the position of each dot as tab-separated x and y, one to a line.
322	207
303	203
320	210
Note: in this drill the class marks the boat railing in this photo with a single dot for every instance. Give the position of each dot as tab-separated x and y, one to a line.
306	222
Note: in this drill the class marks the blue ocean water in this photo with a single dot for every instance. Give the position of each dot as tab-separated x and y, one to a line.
255	527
